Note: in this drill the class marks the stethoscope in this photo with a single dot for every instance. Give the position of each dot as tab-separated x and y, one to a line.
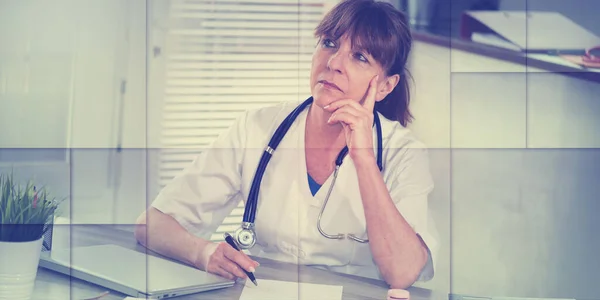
245	235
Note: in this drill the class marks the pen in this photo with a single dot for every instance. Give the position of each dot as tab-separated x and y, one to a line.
232	243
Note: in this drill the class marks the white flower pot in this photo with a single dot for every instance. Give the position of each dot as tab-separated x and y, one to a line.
18	268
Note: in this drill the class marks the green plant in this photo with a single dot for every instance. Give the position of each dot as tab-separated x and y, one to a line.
26	213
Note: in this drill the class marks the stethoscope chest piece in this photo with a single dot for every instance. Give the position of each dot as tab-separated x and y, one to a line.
245	236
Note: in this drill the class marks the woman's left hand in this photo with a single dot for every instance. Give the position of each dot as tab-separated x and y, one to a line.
357	121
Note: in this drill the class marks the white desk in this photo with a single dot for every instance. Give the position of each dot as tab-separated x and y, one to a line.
52	285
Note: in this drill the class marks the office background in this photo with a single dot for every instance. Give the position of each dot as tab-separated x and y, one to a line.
104	101
442	17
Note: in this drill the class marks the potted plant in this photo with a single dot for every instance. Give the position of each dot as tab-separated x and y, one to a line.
26	213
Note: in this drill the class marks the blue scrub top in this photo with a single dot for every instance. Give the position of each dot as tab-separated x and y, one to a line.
314	186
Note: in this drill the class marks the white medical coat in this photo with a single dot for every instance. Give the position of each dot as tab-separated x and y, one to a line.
286	218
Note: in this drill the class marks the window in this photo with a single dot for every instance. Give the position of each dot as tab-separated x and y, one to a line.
223	57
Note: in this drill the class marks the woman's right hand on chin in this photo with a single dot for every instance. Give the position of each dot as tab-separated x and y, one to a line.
224	260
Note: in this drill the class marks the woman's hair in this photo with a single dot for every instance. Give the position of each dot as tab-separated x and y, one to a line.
383	31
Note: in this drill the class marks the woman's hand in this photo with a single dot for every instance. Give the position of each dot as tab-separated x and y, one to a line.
357	121
224	260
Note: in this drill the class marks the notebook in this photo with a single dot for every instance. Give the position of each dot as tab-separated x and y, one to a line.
131	272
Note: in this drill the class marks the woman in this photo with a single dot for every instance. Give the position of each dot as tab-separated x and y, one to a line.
358	67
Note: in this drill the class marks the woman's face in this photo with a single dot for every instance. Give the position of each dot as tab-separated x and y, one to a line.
339	72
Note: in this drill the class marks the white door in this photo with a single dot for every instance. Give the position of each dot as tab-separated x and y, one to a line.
97	128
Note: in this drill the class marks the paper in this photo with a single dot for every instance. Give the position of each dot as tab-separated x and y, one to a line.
275	289
506	298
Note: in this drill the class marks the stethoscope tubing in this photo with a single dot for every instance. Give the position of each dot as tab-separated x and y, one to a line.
252	203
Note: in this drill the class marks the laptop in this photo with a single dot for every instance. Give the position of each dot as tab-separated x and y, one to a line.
131	272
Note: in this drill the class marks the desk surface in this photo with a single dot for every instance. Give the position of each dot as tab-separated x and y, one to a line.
52	285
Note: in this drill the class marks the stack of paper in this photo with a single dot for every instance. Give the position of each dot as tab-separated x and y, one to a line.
275	289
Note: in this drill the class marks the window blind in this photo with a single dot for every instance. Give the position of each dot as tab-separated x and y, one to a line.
223	57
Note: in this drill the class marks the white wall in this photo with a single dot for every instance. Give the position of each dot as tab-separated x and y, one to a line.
61	67
36	73
516	182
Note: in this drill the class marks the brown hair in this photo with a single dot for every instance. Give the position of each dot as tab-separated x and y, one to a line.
383	31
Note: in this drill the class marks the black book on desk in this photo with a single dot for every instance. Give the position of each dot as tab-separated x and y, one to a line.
530	32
